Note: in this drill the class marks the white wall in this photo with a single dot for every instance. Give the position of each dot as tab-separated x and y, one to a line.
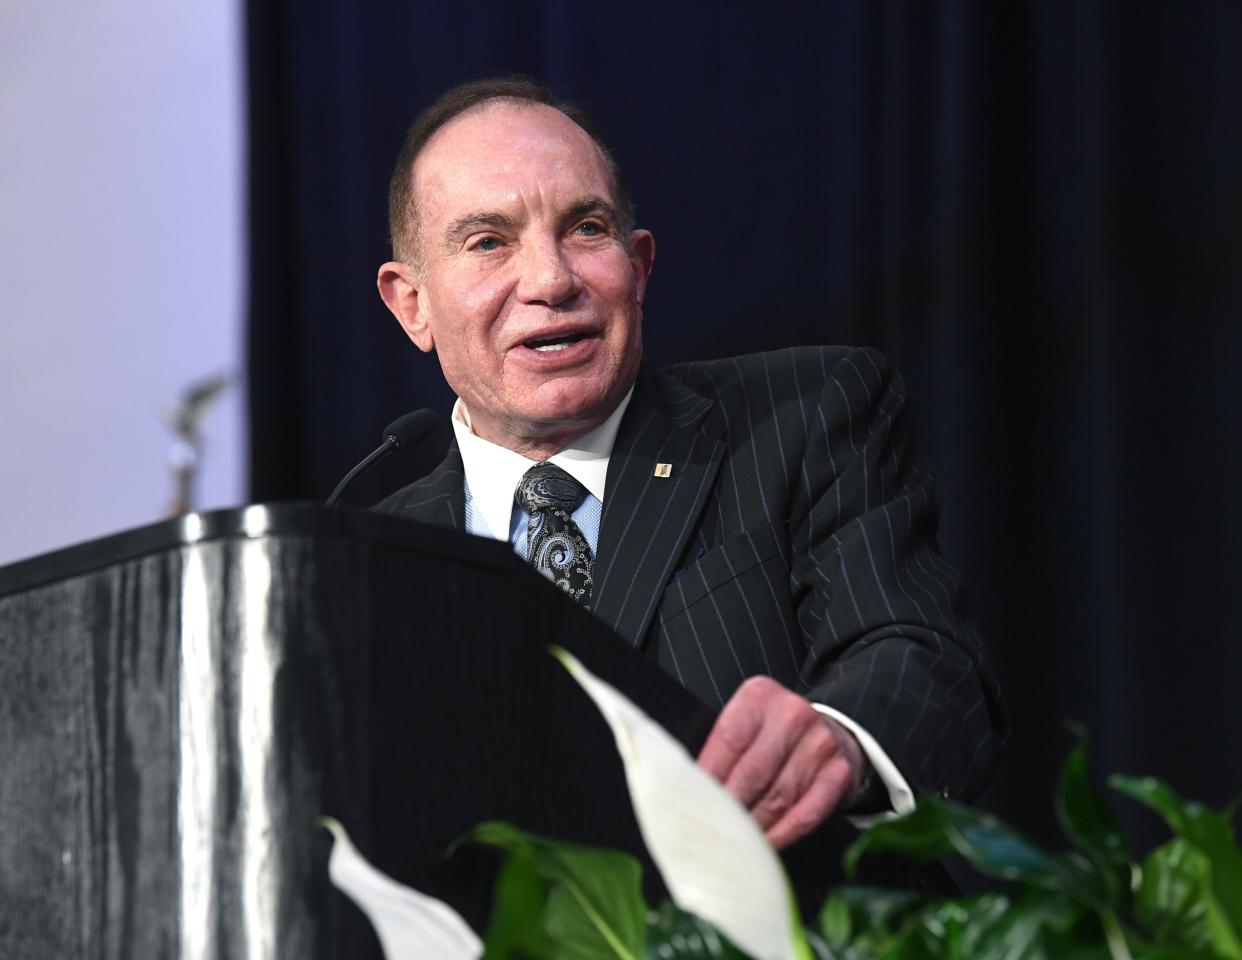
121	258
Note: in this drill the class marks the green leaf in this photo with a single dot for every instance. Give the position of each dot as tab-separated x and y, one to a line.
1159	797
1033	926
834	921
920	835
575	932
1211	833
595	906
673	934
1177	906
937	827
1091	824
518	902
821	950
961	928
854	911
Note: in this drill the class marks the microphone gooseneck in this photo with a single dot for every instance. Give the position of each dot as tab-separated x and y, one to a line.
403	433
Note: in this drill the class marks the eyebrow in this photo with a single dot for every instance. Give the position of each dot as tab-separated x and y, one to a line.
473	221
587	206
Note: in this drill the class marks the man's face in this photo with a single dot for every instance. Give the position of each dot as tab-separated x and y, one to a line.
528	292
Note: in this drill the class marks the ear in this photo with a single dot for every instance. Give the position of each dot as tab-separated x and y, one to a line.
399	288
642	259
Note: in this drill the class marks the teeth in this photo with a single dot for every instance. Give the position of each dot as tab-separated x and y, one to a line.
552	344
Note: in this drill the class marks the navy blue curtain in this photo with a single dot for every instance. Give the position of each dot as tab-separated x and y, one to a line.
1035	210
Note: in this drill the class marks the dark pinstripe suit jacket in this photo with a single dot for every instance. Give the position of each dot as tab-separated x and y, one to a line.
795	537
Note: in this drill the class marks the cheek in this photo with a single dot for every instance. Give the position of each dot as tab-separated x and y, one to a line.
472	316
483	301
612	280
482	307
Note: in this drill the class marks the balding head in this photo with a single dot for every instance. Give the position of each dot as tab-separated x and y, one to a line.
403	202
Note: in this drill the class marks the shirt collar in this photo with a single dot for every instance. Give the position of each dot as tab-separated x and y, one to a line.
493	471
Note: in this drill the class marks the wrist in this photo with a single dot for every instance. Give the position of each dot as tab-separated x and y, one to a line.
862	774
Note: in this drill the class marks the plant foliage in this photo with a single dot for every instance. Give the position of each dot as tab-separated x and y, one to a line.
1092	902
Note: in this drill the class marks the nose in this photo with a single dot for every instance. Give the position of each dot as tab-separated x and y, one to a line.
546	276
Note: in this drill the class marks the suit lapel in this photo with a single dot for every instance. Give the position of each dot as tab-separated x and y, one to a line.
438	498
648	519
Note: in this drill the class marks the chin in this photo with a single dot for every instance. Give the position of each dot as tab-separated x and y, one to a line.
583	405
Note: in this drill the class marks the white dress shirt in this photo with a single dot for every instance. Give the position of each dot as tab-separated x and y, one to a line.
492	474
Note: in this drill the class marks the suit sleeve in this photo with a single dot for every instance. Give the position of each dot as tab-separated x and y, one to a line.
888	641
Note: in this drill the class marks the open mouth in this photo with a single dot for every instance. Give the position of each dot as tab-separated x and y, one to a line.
553	344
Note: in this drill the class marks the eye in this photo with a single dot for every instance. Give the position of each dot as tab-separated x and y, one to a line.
590	228
486	244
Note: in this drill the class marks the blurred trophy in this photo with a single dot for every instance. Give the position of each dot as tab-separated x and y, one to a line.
186	422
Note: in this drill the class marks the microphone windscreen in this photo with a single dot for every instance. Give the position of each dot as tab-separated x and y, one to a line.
412	428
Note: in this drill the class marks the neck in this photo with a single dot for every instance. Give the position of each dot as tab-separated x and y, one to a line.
537	448
535	442
540	441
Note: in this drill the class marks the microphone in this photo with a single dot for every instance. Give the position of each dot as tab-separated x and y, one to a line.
403	433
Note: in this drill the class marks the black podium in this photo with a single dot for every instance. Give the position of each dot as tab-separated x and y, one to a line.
180	704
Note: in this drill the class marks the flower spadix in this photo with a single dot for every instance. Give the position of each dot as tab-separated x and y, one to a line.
409	924
711	852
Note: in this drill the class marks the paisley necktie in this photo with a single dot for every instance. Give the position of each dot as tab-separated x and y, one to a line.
556	546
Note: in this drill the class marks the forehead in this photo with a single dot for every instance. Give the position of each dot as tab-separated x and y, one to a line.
502	154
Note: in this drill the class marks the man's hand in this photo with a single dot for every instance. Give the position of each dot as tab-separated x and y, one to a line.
787	763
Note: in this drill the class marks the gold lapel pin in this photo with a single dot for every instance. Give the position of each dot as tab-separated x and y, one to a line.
664	469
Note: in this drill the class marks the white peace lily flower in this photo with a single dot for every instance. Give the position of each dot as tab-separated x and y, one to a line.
712	854
410	925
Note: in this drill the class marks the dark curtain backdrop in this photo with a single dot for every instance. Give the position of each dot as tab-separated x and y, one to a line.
1037	211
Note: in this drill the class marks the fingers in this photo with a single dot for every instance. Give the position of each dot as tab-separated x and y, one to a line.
757	729
778	757
735	729
821	797
814	750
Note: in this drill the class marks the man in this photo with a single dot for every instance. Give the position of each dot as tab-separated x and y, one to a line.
757	525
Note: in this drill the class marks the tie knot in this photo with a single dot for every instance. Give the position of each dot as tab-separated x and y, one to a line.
547	485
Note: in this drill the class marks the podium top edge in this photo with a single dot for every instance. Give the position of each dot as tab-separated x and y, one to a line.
255	521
